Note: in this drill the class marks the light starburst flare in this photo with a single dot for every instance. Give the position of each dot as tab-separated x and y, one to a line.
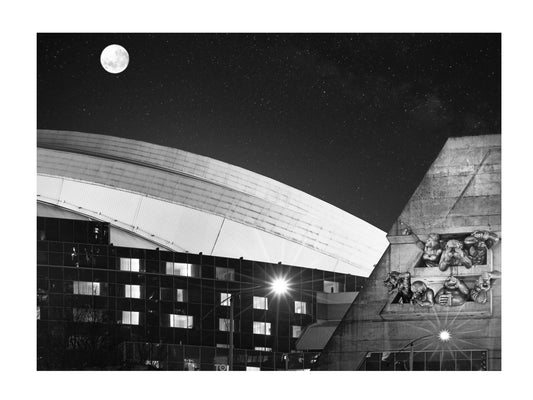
280	286
444	335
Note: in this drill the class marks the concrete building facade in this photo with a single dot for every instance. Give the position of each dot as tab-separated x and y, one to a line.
441	273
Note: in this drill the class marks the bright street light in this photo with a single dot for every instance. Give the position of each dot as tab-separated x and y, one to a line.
444	335
280	286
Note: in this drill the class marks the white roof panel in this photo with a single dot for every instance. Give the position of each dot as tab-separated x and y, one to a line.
226	210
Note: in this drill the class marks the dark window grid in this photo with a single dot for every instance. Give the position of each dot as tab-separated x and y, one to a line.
427	361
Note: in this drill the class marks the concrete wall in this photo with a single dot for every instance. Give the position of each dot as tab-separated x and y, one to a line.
460	193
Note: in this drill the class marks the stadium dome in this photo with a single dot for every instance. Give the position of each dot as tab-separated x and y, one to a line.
187	202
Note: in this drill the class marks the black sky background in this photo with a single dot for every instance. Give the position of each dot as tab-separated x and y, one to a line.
353	119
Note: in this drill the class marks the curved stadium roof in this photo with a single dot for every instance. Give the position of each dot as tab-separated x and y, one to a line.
188	202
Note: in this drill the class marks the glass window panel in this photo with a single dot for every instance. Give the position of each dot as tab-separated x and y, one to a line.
86	288
133	291
130	317
260	303
223	324
401	361
225	299
135	264
181	295
262	328
182	269
166	294
225	274
125	264
259	348
419	363
432	361
296	331
181	321
331	287
300	307
463	365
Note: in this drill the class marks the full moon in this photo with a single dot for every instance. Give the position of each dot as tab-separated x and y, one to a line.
114	59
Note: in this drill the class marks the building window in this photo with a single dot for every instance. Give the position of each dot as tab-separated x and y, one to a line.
182	269
331	287
86	288
130	264
300	307
181	321
225	274
260	303
130	317
262	328
225	299
223	345
132	291
181	295
87	315
223	325
38	312
296	331
258	348
253	369
449	360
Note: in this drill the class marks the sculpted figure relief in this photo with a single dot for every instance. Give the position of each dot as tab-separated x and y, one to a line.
454	255
422	295
453	293
478	243
432	250
400	282
479	293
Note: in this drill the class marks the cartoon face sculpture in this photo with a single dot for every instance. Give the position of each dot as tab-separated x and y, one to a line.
400	282
453	293
422	295
479	293
478	243
454	255
432	250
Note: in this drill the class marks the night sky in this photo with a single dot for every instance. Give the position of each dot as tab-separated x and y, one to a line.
353	119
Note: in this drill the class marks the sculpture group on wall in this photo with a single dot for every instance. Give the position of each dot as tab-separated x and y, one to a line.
454	291
444	255
452	253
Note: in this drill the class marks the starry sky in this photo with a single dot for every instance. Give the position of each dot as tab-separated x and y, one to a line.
353	119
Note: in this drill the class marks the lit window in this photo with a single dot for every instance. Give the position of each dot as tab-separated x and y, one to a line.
130	317
331	287
181	269
262	328
86	288
181	321
225	299
253	369
258	348
223	324
225	274
132	291
181	295
260	303
223	345
296	331
129	264
300	307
